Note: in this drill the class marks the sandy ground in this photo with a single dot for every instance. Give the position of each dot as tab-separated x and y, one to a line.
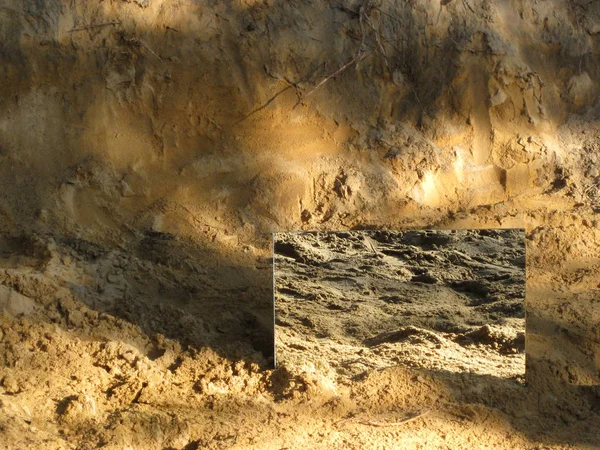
149	148
439	300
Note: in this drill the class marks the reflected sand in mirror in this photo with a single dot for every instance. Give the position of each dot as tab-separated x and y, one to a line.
453	300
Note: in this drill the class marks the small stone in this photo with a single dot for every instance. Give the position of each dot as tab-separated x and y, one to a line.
75	407
306	216
126	190
129	356
239	368
424	278
14	303
113	278
92	315
581	90
76	318
392	152
498	98
11	384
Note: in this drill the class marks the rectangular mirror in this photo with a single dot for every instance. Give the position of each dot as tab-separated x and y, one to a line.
439	300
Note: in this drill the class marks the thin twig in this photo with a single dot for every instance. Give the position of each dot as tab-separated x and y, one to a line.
374	423
361	15
381	48
469	6
264	105
359	57
394	18
150	50
341	421
344	8
98	25
290	83
139	42
412	88
198	221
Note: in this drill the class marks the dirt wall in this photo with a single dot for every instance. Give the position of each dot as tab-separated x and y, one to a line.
148	149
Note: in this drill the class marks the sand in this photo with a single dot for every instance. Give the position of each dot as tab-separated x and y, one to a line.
149	148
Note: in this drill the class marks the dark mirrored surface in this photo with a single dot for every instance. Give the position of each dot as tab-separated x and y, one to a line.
440	300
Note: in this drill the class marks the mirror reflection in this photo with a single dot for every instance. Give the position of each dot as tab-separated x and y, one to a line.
439	300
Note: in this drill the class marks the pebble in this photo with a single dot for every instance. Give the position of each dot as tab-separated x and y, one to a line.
11	384
113	278
75	406
129	356
92	315
425	278
76	318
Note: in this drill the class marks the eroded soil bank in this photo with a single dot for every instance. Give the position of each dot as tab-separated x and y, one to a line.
148	148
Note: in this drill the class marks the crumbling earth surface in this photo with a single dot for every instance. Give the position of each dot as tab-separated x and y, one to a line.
149	148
